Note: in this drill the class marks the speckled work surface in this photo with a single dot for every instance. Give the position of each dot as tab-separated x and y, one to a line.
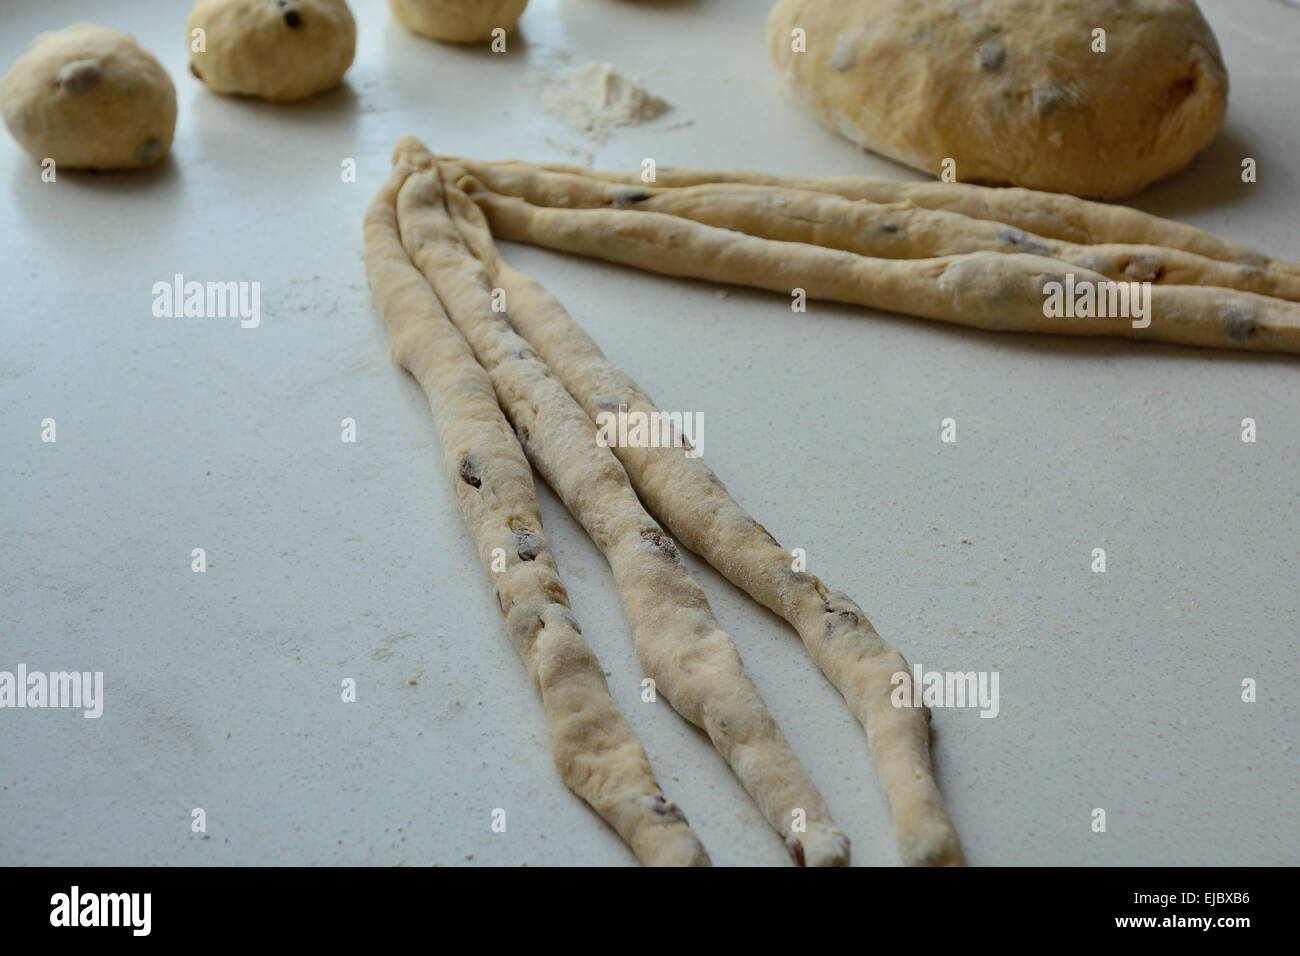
331	560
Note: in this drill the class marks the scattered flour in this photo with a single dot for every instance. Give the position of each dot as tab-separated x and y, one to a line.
595	98
585	157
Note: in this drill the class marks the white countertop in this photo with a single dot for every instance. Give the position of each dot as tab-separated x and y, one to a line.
331	560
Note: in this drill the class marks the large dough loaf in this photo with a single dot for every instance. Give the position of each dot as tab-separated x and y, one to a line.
1012	89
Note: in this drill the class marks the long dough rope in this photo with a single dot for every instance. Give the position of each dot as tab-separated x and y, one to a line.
898	230
595	749
1053	215
681	647
688	497
988	290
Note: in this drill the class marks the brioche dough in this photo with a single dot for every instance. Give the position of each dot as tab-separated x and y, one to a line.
275	49
1011	89
459	21
90	97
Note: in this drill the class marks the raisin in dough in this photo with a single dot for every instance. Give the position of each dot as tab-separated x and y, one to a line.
89	97
458	21
275	49
1011	89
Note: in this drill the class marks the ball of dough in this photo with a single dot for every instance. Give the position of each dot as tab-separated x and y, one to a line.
90	98
1012	90
275	49
460	21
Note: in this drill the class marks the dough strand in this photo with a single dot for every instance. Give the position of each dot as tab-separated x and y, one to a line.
897	230
996	291
1052	215
693	663
595	749
692	502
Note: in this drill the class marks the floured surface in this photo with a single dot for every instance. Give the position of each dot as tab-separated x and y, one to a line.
330	560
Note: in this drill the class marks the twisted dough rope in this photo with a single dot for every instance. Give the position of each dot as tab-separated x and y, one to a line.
680	645
988	290
1053	215
689	498
595	749
896	230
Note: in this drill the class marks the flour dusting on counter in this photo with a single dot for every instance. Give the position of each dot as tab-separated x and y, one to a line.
595	98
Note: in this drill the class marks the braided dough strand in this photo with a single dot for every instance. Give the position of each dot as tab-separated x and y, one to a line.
690	499
1054	215
595	749
693	662
988	290
896	230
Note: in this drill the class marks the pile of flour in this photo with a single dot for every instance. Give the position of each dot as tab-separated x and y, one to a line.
595	98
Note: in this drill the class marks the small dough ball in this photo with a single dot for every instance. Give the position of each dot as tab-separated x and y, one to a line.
90	98
275	49
1012	90
460	21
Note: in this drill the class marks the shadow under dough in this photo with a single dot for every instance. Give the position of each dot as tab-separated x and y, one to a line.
92	197
1212	179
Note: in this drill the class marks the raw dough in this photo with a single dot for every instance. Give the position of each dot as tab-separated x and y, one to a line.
275	49
1056	215
689	498
681	646
894	230
90	97
1011	89
459	21
595	749
987	290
